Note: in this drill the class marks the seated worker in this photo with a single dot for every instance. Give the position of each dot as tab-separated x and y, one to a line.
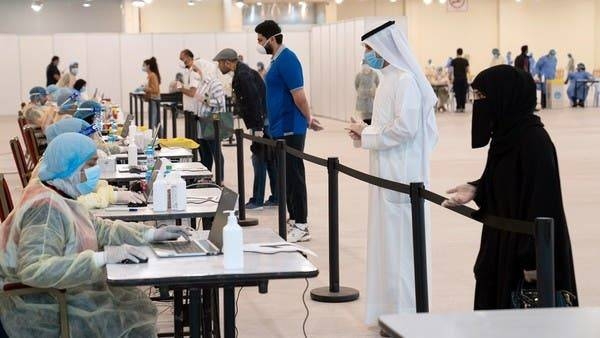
38	112
66	100
578	97
441	83
104	194
50	240
87	111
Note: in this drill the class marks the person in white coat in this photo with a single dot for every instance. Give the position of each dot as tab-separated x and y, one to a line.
400	140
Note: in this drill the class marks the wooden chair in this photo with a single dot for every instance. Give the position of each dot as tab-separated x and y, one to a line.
6	203
23	168
31	145
18	289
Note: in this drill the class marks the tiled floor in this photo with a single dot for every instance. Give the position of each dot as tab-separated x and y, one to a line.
280	313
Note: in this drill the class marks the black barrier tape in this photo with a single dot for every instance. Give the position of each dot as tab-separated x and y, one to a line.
499	223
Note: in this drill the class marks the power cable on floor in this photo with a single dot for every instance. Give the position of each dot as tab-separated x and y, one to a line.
236	310
307	310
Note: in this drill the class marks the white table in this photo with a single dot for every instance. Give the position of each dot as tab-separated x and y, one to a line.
208	271
173	154
201	203
530	323
188	171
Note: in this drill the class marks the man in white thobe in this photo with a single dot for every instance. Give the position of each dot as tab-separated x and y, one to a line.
400	140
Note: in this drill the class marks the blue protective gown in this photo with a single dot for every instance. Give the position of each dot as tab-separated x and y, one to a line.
582	89
546	68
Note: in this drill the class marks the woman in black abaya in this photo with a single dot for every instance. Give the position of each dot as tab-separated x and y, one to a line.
520	181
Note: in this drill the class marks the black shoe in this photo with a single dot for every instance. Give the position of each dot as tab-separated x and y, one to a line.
582	104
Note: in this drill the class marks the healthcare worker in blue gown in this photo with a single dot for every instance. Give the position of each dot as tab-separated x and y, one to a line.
545	69
578	92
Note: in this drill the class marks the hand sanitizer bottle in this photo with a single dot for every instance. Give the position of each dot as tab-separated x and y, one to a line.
159	194
233	243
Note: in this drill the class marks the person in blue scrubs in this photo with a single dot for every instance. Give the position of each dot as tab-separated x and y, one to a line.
578	92
289	116
545	69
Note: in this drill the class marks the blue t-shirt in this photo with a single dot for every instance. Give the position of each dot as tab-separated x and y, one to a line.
284	76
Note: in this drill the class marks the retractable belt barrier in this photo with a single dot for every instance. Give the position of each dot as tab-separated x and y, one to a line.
542	229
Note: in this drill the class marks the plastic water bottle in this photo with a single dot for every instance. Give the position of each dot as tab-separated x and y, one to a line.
112	134
132	154
150	156
168	170
159	194
233	243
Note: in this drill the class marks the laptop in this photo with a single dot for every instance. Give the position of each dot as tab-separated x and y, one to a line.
126	124
205	247
154	138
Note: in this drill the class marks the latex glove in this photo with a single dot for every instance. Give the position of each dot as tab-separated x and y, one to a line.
463	194
530	276
117	254
170	232
123	150
356	127
314	124
129	196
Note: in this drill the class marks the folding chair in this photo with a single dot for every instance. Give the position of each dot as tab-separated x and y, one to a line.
31	144
6	204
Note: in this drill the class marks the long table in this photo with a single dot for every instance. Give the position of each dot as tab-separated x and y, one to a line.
173	154
547	323
188	170
208	272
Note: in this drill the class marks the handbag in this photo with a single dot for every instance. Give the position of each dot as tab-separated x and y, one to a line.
526	296
207	127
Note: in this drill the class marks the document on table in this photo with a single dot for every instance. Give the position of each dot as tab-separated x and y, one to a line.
276	247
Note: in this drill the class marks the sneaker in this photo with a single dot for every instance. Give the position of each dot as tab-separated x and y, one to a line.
290	224
253	206
271	203
298	233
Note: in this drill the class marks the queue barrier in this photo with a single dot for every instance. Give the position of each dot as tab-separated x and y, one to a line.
542	229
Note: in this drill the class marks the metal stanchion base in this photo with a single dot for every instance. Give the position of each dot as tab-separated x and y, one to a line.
324	295
248	222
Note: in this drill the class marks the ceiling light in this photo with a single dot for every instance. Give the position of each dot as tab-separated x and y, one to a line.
427	2
37	5
86	4
148	1
442	2
259	4
138	3
339	2
392	1
301	3
239	3
191	2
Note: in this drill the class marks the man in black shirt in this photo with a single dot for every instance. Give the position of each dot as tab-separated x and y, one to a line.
249	92
52	72
460	69
522	61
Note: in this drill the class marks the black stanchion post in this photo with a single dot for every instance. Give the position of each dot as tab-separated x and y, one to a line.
174	118
242	220
281	193
334	293
218	163
419	246
136	111
544	251
131	108
142	111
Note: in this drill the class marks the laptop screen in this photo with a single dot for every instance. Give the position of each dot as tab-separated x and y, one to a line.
227	202
125	130
157	165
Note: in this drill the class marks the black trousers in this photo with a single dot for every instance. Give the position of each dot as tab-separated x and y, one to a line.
543	100
295	180
208	151
460	87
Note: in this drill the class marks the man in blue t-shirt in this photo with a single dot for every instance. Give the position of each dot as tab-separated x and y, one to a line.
289	117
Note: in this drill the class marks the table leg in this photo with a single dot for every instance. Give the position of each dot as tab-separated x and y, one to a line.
136	112
142	112
164	121
229	310
131	104
178	312
174	120
206	312
195	306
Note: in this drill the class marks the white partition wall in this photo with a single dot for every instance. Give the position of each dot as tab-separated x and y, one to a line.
72	48
9	90
134	49
35	53
104	65
166	49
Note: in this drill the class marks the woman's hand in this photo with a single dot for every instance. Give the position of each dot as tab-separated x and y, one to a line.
462	194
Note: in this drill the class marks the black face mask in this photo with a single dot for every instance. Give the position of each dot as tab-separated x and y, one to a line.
481	125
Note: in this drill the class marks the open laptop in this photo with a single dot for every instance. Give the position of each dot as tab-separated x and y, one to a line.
205	247
154	138
126	124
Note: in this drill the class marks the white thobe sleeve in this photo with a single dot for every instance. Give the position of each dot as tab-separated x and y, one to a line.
403	128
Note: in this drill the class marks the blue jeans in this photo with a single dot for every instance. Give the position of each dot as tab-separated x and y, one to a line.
262	167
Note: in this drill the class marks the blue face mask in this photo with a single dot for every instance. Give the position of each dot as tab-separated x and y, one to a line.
92	177
373	60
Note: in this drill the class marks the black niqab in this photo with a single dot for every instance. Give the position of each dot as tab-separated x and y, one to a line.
521	181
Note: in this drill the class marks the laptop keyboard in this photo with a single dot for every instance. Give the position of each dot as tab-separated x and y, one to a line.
186	247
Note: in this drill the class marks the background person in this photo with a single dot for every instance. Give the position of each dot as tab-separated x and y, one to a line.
68	78
400	142
460	82
173	86
496	58
545	69
80	87
52	72
289	117
570	64
522	60
365	84
260	68
441	84
578	96
249	93
152	89
520	181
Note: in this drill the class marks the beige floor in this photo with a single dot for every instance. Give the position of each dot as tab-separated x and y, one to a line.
279	313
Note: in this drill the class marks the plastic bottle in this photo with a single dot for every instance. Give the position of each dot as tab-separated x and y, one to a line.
132	131
150	156
132	159
159	194
168	170
233	243
112	133
178	195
